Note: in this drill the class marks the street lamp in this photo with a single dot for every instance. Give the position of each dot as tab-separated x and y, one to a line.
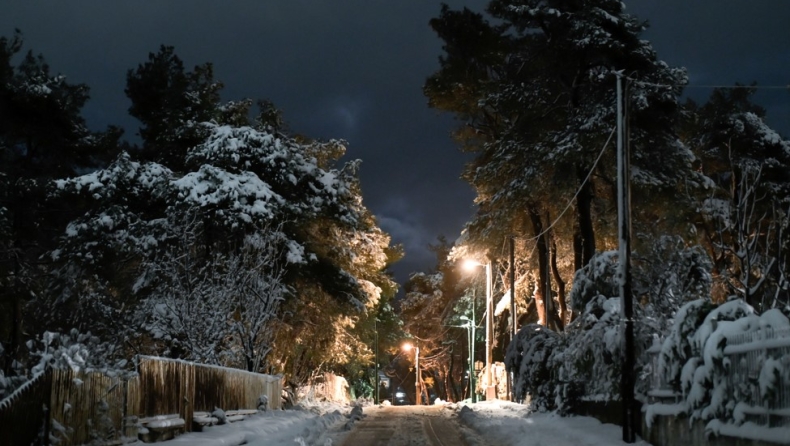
417	384
470	328
470	265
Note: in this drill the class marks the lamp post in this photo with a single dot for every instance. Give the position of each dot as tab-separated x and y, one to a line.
417	382
469	265
470	329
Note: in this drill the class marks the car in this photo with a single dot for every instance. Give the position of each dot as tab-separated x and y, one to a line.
399	397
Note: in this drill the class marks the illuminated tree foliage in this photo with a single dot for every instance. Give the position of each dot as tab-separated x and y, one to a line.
223	239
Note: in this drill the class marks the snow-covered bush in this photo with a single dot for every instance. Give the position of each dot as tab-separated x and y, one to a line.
596	279
74	350
586	360
670	275
692	358
528	358
589	358
677	350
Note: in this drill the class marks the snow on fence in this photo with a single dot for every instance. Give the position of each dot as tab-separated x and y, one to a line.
758	377
23	414
169	386
90	405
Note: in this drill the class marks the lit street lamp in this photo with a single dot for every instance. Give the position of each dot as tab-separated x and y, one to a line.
469	265
417	382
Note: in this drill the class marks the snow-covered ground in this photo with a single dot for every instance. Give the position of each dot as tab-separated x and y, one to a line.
497	422
506	423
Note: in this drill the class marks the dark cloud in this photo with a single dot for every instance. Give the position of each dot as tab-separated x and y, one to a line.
354	69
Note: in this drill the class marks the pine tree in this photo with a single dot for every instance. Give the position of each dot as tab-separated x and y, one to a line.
42	137
539	105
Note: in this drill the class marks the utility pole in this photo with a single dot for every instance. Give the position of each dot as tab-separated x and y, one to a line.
418	381
624	233
490	388
376	328
472	376
548	302
513	318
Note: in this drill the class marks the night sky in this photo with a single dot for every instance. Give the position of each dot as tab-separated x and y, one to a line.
354	69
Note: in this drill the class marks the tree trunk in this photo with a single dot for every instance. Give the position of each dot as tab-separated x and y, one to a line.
560	285
542	293
584	215
577	249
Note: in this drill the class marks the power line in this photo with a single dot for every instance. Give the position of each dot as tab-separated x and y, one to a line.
755	87
570	202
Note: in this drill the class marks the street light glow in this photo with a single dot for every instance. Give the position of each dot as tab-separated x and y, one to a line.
470	265
407	346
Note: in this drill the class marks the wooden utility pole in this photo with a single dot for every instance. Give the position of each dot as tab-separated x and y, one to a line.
513	318
490	387
624	233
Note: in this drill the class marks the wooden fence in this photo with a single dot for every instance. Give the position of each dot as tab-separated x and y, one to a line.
90	405
23	415
86	406
169	386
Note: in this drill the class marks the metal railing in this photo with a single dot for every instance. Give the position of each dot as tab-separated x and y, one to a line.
757	366
759	376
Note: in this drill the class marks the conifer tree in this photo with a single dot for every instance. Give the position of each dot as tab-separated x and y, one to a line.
42	137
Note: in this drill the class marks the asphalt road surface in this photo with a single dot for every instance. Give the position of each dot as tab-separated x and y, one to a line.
409	425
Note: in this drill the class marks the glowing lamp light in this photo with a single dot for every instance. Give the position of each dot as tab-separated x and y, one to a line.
470	265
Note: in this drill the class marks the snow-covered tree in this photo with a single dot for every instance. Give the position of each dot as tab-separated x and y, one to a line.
215	308
744	211
260	208
42	136
536	90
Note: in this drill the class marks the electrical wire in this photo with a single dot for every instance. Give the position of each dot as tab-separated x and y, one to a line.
570	202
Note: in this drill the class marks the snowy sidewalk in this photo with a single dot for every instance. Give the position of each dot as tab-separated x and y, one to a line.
509	424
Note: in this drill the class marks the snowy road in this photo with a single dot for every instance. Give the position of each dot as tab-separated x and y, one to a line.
408	425
497	423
